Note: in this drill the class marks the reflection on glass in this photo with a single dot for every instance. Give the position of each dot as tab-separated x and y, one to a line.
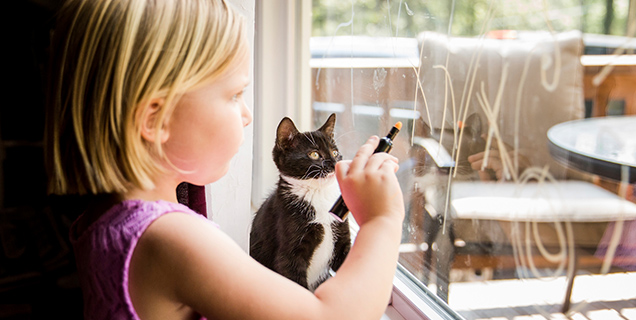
498	225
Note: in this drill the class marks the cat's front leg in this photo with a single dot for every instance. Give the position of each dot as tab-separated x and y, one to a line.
342	245
295	255
292	268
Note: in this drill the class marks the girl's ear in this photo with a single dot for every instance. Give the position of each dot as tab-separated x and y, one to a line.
148	121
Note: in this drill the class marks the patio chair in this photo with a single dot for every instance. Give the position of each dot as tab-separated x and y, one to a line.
518	89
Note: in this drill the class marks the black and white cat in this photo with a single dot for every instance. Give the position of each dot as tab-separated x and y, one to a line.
293	232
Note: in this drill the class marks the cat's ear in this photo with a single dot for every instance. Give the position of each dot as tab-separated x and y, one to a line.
285	132
476	143
329	125
473	123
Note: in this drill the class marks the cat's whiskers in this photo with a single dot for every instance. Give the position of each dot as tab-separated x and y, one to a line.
317	171
315	175
342	135
310	171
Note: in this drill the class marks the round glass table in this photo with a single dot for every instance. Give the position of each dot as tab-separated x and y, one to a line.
605	146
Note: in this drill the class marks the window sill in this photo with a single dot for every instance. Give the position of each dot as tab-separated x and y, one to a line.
410	301
392	314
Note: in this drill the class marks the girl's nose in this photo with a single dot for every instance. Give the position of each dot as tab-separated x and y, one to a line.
247	115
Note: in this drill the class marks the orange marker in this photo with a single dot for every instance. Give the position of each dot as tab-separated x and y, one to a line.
339	209
394	131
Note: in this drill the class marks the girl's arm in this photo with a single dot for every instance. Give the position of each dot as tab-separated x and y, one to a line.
203	268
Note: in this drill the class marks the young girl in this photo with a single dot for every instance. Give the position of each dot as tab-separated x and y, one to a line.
148	94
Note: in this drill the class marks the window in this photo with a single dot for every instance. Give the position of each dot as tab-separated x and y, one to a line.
491	79
539	232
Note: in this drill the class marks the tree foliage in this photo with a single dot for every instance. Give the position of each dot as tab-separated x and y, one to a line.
382	18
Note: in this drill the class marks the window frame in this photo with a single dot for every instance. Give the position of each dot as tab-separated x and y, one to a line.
413	301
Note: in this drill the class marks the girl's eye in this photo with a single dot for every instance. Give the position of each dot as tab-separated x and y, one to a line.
335	153
238	96
314	155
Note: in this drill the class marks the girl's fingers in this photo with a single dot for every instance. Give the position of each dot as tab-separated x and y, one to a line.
476	157
376	160
363	154
484	175
366	160
499	173
390	165
342	167
476	165
480	155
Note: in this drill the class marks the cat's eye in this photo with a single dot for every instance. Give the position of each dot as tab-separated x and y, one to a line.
335	153
314	155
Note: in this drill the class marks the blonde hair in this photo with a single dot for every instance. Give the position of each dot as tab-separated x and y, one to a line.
110	58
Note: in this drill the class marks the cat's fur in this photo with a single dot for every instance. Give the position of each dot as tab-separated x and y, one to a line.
293	233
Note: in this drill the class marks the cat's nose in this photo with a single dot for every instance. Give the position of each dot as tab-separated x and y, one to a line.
329	163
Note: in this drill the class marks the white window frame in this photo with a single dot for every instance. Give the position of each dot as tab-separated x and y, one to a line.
280	87
281	81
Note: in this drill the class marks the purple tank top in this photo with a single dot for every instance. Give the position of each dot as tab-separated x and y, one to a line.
103	253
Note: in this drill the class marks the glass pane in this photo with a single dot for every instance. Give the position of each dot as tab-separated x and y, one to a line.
518	151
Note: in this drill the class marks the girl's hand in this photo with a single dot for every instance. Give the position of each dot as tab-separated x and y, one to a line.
495	168
369	185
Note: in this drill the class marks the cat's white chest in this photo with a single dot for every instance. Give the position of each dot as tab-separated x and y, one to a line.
322	194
